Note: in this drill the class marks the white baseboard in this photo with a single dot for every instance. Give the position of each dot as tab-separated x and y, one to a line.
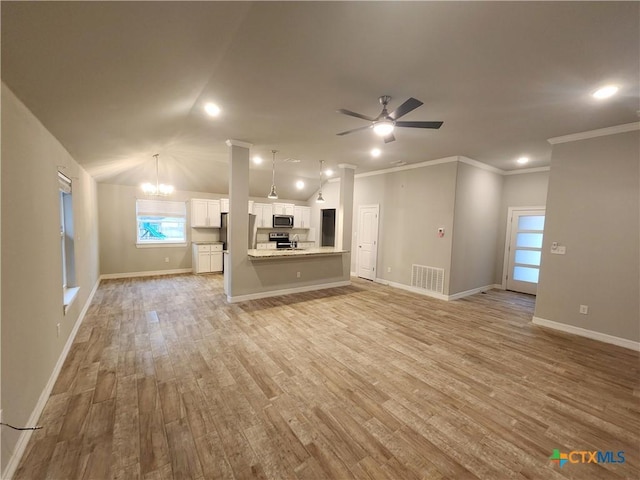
25	436
583	332
286	291
153	273
473	291
439	296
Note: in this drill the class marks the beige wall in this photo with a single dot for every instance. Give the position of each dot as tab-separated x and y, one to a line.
475	229
413	204
521	190
31	258
117	219
593	209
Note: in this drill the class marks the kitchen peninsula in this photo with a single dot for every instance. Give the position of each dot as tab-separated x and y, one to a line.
255	254
258	273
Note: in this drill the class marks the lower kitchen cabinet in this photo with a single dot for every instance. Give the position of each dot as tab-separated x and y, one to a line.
207	258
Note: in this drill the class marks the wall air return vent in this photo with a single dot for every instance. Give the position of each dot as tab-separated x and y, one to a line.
426	278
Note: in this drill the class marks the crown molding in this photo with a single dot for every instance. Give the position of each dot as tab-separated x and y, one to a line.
627	127
526	170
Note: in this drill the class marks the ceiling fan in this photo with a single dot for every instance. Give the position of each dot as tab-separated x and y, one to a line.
384	124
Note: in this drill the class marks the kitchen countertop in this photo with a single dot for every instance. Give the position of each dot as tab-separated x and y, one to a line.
260	254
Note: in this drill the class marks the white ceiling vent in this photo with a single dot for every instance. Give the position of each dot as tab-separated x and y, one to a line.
427	278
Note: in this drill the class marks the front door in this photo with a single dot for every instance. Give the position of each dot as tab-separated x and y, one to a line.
525	250
367	241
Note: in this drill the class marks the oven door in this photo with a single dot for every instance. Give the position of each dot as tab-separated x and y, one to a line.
283	221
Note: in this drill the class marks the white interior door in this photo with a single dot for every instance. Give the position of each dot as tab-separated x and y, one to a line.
525	250
367	241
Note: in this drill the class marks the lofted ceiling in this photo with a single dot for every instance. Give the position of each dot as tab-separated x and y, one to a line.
117	82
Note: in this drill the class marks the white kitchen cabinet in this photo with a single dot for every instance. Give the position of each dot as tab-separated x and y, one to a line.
301	217
205	213
264	215
283	208
207	258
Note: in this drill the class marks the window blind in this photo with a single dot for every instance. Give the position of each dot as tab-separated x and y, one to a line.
64	183
163	208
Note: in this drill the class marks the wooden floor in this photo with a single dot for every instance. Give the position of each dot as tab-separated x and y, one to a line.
166	380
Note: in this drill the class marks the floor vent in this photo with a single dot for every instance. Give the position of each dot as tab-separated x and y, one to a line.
427	278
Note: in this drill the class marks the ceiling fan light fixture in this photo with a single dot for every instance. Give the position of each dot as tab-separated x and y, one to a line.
383	128
376	152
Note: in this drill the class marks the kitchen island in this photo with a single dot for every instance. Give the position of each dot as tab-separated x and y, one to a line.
255	254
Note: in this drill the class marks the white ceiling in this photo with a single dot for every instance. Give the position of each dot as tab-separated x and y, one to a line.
117	82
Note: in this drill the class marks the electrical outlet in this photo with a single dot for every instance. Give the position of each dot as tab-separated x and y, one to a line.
298	274
584	309
58	330
388	269
166	259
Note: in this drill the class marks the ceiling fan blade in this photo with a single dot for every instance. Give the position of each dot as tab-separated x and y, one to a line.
419	124
354	114
354	130
389	138
405	108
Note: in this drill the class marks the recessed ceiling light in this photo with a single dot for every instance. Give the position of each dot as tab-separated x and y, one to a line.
257	160
605	92
523	160
328	172
376	152
299	184
212	109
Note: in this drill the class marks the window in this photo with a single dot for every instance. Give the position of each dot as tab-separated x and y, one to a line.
161	222
67	242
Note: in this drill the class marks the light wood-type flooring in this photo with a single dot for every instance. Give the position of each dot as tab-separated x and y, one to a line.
166	380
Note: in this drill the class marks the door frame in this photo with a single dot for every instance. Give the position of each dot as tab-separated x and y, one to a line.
507	239
375	271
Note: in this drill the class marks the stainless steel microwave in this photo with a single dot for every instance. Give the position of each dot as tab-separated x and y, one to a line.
283	221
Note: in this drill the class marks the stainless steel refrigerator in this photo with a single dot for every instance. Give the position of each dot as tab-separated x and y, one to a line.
253	230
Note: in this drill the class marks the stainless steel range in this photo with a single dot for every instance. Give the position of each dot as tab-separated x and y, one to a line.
281	239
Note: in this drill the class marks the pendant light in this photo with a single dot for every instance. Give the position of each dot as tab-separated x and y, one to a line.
272	194
320	198
159	189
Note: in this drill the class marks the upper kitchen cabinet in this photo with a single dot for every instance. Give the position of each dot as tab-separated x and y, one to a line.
264	215
205	213
283	208
301	217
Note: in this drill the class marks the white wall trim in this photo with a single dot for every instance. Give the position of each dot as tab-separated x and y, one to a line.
238	143
23	439
480	165
286	291
412	166
409	288
526	170
583	332
473	291
152	273
627	127
446	298
507	240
